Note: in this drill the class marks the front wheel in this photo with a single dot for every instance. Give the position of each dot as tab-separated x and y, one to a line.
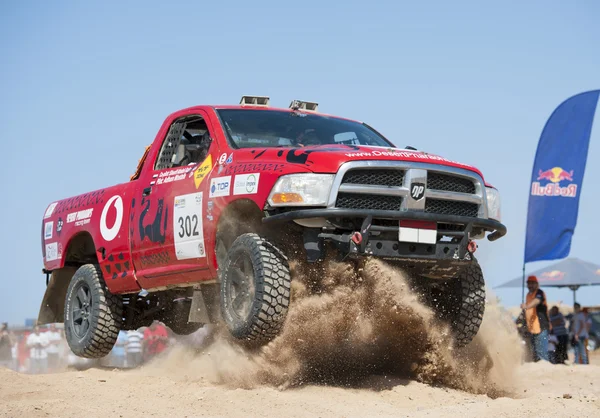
93	315
461	303
255	290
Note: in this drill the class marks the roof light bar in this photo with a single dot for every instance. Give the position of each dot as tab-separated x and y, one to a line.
255	101
302	105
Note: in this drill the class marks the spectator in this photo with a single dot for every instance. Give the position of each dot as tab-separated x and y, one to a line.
15	355
53	349
155	340
580	335
559	329
536	313
38	357
133	348
22	352
588	327
6	345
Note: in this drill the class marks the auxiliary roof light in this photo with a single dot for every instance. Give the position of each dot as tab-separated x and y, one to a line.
255	101
302	105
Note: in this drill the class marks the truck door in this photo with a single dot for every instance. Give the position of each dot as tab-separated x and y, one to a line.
167	232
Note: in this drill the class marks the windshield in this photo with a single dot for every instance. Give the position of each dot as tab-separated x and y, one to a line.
249	128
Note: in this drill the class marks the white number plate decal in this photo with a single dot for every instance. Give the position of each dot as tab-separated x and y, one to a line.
187	226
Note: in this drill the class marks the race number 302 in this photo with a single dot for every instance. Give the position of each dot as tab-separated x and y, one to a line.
187	226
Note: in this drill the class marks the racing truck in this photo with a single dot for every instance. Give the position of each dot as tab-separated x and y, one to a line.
225	197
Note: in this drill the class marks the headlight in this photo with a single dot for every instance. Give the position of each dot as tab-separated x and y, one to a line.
493	203
301	190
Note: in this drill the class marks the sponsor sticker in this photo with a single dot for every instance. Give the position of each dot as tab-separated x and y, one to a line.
187	226
209	208
220	186
110	232
48	227
397	154
222	158
52	251
172	175
253	167
81	217
50	210
179	202
229	159
246	183
202	170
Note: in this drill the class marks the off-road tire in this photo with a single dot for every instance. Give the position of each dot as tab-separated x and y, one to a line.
271	278
104	313
461	303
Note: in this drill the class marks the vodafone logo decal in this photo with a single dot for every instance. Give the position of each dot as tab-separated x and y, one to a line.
110	233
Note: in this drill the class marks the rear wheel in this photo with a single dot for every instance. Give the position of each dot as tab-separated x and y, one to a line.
255	289
461	303
93	315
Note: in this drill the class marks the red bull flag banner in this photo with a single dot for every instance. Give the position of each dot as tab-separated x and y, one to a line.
557	177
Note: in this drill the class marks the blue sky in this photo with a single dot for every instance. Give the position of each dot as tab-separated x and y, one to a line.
85	87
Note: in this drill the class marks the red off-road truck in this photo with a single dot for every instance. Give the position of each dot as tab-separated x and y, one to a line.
226	195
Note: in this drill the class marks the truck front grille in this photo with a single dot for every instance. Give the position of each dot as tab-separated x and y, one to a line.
365	201
451	207
386	186
380	177
445	182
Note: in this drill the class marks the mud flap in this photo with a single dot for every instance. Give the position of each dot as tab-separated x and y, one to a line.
52	309
203	309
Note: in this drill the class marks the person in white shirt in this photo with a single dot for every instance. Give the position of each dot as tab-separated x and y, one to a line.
133	348
588	327
53	349
580	335
38	357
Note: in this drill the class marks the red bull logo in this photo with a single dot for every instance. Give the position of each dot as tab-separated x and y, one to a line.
552	275
554	177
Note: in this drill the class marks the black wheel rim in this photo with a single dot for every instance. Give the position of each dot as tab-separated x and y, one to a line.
82	309
241	286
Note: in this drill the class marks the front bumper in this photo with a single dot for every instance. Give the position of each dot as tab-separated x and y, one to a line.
498	229
377	240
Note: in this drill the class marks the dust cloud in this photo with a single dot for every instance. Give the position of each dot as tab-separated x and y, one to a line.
360	328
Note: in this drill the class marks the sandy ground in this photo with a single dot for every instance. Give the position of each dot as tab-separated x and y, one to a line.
541	390
361	345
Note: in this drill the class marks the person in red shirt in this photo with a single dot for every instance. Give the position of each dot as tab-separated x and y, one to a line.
156	339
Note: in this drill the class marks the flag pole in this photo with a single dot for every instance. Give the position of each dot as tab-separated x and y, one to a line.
523	286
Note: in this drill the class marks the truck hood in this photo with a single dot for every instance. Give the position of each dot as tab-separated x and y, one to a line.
329	158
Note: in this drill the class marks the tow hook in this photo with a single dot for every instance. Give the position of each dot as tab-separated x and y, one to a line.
472	247
357	238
